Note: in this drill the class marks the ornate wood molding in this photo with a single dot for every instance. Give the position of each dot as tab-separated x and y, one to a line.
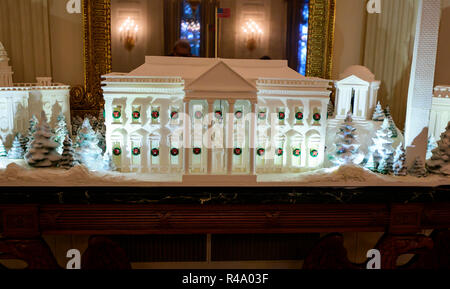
34	252
320	38
88	99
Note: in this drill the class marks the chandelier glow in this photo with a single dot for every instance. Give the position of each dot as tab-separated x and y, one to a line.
128	33
253	33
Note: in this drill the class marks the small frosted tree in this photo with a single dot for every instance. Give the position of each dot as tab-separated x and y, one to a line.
399	167
371	164
76	125
392	126
418	168
68	159
431	145
378	114
60	132
23	142
386	163
31	130
3	152
347	145
108	162
16	151
42	150
87	150
440	159
101	131
330	109
382	149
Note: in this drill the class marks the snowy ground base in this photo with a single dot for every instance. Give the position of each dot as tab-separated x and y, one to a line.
346	176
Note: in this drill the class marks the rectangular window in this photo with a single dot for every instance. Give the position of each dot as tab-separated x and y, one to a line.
281	115
174	115
155	115
136	114
298	117
262	116
117	114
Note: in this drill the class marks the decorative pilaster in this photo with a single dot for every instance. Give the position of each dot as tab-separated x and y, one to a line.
209	144
187	137
230	144
252	139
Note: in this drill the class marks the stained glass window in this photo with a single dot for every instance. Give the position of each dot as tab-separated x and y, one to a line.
190	27
303	39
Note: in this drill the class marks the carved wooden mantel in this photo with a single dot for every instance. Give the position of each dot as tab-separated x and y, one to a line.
22	225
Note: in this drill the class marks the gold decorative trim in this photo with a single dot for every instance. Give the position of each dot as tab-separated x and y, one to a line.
88	99
320	38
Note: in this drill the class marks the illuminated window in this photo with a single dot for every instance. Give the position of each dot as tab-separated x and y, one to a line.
303	38
190	27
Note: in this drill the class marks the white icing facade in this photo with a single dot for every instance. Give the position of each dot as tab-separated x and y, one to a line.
19	101
262	116
356	92
440	111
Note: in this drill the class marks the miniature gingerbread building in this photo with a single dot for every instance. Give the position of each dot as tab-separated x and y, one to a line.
356	92
261	116
440	111
19	101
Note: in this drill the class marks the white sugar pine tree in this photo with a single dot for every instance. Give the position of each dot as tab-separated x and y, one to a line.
68	159
399	167
60	132
378	114
31	130
431	145
101	130
347	145
87	150
108	162
440	159
371	164
23	142
418	169
3	152
330	109
16	151
382	149
42	150
392	126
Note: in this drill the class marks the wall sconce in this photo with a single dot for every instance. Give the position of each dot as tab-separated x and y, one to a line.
128	33
252	33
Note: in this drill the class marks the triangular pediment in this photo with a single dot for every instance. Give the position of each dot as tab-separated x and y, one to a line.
353	79
221	78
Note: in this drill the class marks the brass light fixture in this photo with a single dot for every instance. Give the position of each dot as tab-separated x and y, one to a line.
252	33
128	33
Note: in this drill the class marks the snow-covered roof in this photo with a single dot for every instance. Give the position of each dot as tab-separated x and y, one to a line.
191	68
359	71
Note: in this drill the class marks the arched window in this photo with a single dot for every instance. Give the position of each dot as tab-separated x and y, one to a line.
303	38
190	27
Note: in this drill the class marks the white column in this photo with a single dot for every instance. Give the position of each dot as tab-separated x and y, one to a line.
187	137
209	148
422	79
230	144
252	139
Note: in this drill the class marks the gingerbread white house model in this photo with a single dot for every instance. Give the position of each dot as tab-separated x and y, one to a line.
440	111
19	101
199	116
